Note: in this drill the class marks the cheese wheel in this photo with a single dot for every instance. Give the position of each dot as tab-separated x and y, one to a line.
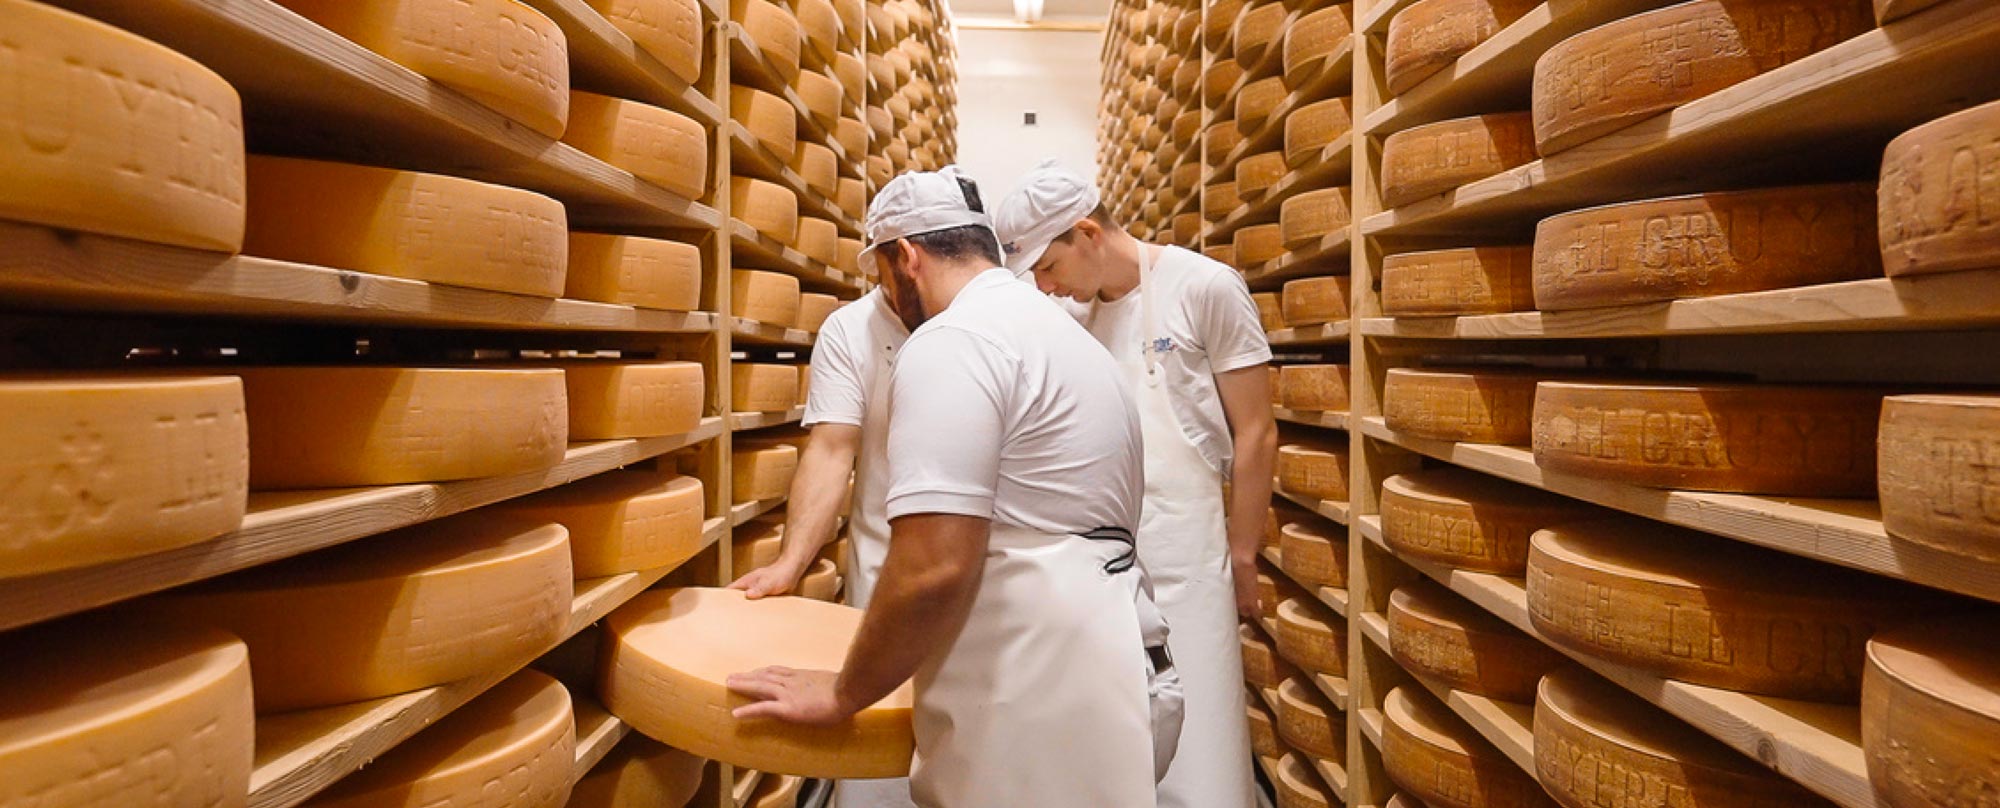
881	73
644	272
1467	405
1319	474
813	310
1466	280
1309	723
853	18
1221	19
621	521
880	170
761	387
1313	388
1306	218
1311	637
1185	178
822	95
1258	27
1259	244
1929	713
1297	785
1706	244
1222	139
850	258
425	227
1313	37
777	791
102	712
1263	730
610	400
515	745
1709	611
1261	664
1187	127
1605	79
852	197
330	427
1258	172
1222	76
774	30
822	582
768	207
1468	520
1596	744
821	25
668	652
114	134
1429	35
1758	439
757	543
764	473
410	609
500	53
1936	481
1257	100
1311	128
816	164
1268	592
1424	161
639	772
1220	200
1312	301
1446	640
1187	80
1314	556
819	240
667	30
772	120
880	122
102	469
852	74
1432	754
1933	179
1271	317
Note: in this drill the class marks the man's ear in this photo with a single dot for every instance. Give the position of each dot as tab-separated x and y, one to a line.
1089	228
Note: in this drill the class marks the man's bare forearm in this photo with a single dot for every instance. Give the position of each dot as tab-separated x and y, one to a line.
926	590
819	488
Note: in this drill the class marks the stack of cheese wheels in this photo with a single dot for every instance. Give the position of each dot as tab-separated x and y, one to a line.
1934	479
1313	301
622	521
774	30
763	387
1259	244
644	272
1306	218
425	227
1310	129
669	31
763	472
168	466
1464	280
1257	28
1312	471
1264	741
1446	640
99	712
668	652
1311	636
1921	226
1270	315
1298	786
307	431
769	208
610	399
1220	200
1428	35
1466	520
1424	161
659	146
1311	39
1256	101
1708	611
1602	80
1593	739
1436	757
503	54
407	610
520	736
1313	388
1468	405
1930	709
1705	245
639	771
1756	439
1258	172
1263	668
1313	554
170	173
1310	724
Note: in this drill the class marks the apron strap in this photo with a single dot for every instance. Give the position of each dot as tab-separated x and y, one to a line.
1124	561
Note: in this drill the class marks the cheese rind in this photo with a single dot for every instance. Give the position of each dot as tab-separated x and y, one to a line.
1936	481
771	298
1468	280
775	31
113	134
1220	200
1313	472
852	197
763	473
1314	36
1424	161
1467	520
771	119
816	165
1312	301
769	208
1305	218
1259	244
621	521
1256	173
1257	100
1313	388
1311	128
609	400
819	240
644	272
1431	753
1929	713
1937	190
853	75
1262	666
1444	639
821	582
1263	730
821	94
667	30
1313	556
814	308
821	25
1271	316
1309	723
1298	786
1428	35
639	771
763	387
1468	405
1257	28
657	145
1311	636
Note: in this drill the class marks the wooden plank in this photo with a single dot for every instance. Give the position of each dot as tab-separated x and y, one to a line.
1371	724
1309	336
745	787
741	421
746	511
604	59
755	250
1333	687
1335	775
597	732
283	524
1336	511
1508	726
1322	258
1375	20
746	331
751	157
1328	420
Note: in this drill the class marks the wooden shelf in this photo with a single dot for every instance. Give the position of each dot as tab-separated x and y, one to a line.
597	732
1318	259
1308	336
1272	64
1335	776
1328	420
1318	86
741	421
1333	165
1336	511
748	67
746	511
756	250
282	524
1508	726
1376	21
745	151
1335	599
604	59
1847	532
750	332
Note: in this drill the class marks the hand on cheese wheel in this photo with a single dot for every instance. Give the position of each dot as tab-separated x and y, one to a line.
668	653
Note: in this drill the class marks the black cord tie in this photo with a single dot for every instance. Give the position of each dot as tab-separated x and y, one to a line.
1124	561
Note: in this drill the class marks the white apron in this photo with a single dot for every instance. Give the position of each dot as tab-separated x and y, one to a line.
1183	539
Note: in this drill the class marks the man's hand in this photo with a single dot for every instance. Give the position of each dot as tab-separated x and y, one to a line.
776	579
794	696
1245	573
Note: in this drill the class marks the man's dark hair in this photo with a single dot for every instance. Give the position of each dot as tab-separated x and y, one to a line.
1101	215
965	241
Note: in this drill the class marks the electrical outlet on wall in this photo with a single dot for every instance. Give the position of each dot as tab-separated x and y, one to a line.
1028	118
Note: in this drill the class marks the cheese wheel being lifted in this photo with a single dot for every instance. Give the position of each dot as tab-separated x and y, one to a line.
1312	301
1446	640
632	399
1298	786
1466	280
1305	218
403	611
1310	723
1262	666
769	208
1311	128
763	473
621	521
1311	472
669	651
114	134
1710	611
1428	35
667	30
771	119
1467	520
1935	180
1256	173
1929	713
1936	480
1434	755
1424	161
644	272
1312	555
1313	388
1467	405
1311	636
1313	37
425	227
1743	438
775	31
639	772
1607	78
763	387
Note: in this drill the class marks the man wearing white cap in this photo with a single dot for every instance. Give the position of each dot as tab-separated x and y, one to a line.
1009	590
1190	346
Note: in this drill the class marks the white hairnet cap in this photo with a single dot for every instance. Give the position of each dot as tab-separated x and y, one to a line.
916	203
1048	202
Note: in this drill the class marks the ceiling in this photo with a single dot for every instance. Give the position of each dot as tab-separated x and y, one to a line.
1051	9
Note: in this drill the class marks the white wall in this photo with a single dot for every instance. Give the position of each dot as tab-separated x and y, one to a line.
1004	73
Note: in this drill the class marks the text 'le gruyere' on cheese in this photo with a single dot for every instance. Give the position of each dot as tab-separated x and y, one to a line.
657	145
1468	405
1936	480
1937	193
621	521
1424	161
1930	711
1446	640
645	272
1434	755
1467	520
1311	636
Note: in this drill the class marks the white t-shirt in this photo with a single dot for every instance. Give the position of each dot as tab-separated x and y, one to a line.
1005	408
856	348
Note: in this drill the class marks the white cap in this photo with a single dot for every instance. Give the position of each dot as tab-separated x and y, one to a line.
916	203
1049	201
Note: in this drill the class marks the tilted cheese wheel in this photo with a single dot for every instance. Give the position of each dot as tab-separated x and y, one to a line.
1434	755
761	387
1221	19
1933	179
1605	79
1706	244
1185	177
1596	744
1222	76
667	30
621	521
850	257
1220	200
777	791
1468	520
1187	127
1314	37
1936	481
1312	301
668	652
880	122
822	95
853	17
1311	636
1298	786
645	272
1311	128
1313	388
1710	611
852	73
1306	218
114	134
1259	244
1316	473
771	119
1263	730
1309	723
1187	80
813	310
1446	640
1261	664
821	25
852	197
1258	172
763	473
1467	280
514	745
425	227
1314	556
632	399
1424	161
1468	405
1761	439
768	207
1222	139
403	611
1271	317
816	164
500	53
1428	35
639	772
102	469
1257	101
776	32
101	712
1257	29
822	582
329	427
819	240
1929	713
